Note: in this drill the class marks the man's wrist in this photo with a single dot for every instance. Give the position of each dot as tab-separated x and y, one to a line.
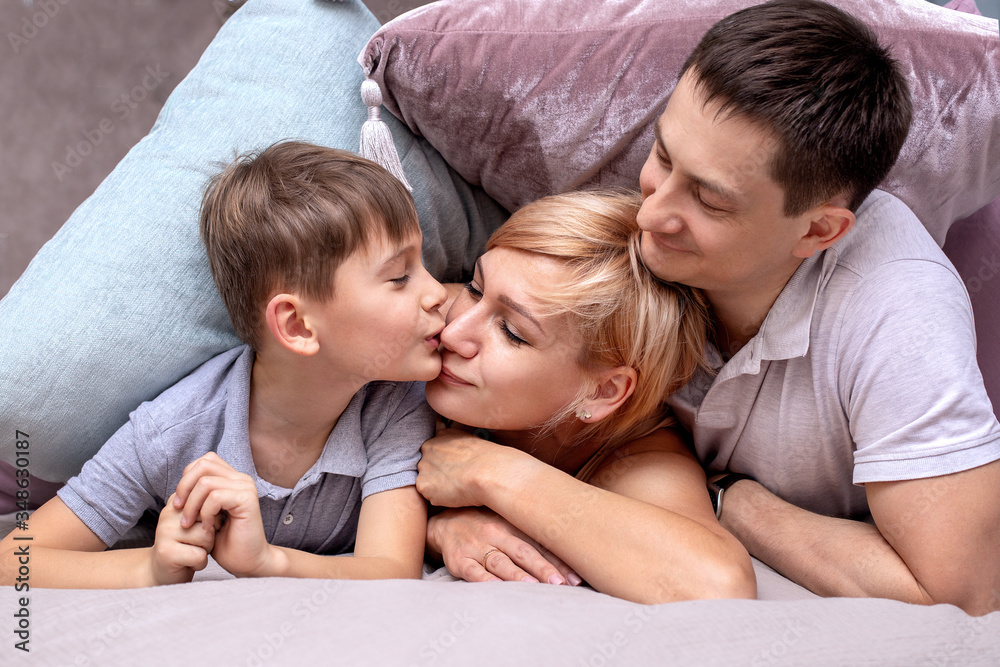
718	486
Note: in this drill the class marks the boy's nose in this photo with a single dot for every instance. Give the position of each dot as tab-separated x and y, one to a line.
435	295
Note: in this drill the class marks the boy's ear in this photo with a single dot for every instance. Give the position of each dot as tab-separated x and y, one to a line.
289	326
614	386
827	224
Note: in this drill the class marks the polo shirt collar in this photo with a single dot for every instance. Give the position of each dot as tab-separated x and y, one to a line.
786	329
343	454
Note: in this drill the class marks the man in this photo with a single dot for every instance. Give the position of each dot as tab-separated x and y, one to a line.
846	378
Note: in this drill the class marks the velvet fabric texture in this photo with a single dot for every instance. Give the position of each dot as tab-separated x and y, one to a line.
532	97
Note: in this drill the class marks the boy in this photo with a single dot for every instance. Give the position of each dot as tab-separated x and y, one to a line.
304	441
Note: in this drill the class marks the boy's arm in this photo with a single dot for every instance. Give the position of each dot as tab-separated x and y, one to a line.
389	545
64	553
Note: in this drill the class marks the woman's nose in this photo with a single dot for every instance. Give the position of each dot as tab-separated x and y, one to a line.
460	334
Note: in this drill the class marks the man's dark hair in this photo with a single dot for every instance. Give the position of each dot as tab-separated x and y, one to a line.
819	81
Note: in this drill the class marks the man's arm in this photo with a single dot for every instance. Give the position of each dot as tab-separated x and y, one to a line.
935	540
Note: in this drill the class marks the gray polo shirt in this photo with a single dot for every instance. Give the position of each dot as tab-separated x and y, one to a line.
374	447
864	370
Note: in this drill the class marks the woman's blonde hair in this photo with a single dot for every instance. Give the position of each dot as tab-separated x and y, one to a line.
623	314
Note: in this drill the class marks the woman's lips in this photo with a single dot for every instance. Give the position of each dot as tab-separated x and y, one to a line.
449	378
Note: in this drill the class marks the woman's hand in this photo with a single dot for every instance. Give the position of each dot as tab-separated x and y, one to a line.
479	545
449	473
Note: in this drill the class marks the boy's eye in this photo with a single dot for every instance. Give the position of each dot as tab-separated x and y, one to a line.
402	280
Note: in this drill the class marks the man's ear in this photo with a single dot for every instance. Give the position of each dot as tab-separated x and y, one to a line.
827	224
289	326
614	386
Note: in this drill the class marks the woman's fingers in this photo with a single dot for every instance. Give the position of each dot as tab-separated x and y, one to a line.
571	577
499	564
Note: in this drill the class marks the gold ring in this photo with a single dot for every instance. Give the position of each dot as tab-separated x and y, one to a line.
488	554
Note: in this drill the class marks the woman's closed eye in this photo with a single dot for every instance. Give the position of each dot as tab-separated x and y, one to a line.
473	290
504	327
511	336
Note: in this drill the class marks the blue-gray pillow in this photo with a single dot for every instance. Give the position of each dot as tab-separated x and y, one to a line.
120	304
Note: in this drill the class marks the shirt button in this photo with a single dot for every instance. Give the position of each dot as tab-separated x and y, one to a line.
288	519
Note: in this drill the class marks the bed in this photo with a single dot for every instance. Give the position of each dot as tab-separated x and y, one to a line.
490	105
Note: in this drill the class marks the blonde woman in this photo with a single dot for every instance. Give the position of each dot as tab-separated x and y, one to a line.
563	348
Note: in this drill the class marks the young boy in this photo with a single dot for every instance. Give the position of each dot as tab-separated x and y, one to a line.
301	443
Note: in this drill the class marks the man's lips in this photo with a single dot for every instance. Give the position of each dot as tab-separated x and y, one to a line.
666	242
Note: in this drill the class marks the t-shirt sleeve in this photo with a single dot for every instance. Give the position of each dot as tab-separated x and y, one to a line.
404	421
909	378
122	480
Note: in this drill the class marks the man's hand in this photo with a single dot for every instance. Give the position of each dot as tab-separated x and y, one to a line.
178	552
211	490
464	536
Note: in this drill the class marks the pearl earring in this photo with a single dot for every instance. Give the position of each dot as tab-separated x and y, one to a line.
583	415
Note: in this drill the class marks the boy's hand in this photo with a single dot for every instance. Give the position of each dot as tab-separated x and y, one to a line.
211	489
179	552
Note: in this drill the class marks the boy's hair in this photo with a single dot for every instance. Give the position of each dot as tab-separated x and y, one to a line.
284	218
818	79
622	314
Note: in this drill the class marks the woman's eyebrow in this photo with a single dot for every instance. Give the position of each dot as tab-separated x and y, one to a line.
510	303
507	301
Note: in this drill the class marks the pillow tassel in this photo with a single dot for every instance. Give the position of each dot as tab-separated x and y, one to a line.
376	139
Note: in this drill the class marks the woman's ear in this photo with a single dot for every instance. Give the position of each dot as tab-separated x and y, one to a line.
614	386
289	325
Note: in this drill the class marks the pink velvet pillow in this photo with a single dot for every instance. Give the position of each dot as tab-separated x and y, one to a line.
531	97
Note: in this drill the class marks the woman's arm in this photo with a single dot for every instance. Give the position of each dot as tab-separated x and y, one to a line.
643	530
477	544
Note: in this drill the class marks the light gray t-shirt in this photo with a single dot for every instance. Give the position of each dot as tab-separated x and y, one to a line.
374	447
864	370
